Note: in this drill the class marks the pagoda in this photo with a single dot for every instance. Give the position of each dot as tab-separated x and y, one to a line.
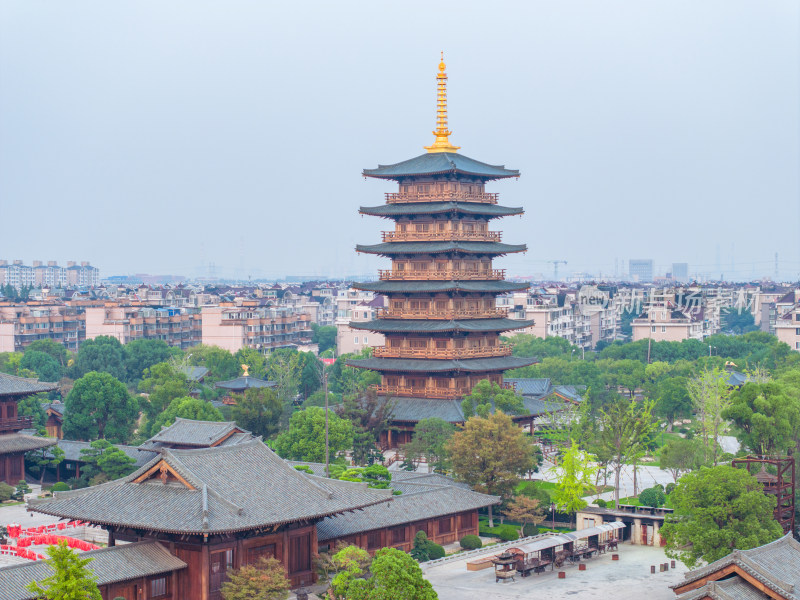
441	324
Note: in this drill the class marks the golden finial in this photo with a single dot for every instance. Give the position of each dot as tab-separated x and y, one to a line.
442	142
246	368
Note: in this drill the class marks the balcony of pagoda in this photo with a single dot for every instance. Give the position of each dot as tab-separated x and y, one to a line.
422	392
446	315
445	196
12	425
443	275
443	353
441	236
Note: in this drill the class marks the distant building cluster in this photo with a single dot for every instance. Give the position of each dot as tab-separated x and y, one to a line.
48	275
641	270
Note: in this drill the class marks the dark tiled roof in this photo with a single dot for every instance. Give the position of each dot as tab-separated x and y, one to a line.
19	442
56	407
418	501
734	588
390	248
776	565
109	565
530	386
203	434
72	451
194	373
440	286
11	385
469	365
437	208
244	383
423	325
736	379
412	410
235	488
440	163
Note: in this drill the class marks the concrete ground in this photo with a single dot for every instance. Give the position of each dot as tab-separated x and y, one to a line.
626	579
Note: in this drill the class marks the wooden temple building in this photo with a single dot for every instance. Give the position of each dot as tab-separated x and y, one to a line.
441	325
215	509
14	441
768	571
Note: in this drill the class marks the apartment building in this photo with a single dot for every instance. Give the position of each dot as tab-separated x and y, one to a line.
179	327
248	324
16	274
23	324
353	341
665	323
19	275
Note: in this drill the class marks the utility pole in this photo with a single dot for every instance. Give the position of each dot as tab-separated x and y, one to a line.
327	454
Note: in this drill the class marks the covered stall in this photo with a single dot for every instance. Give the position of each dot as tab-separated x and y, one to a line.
555	550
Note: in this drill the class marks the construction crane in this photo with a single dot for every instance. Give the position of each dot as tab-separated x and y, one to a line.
555	267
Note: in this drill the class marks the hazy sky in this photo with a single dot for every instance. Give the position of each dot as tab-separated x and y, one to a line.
161	136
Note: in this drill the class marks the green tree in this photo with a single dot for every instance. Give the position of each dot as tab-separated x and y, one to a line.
716	510
103	354
350	563
431	437
187	408
574	479
263	580
310	379
324	336
653	496
39	460
51	347
305	438
31	406
490	454
258	410
767	416
45	366
221	364
103	457
710	396
162	383
487	396
524	344
738	321
143	354
680	456
627	374
672	399
395	576
71	578
623	429
99	406
369	414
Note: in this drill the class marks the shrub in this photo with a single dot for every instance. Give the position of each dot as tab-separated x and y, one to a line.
530	529
6	491
601	503
671	487
59	487
653	496
435	550
471	542
507	533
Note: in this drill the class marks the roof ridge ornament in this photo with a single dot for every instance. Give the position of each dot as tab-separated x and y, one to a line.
442	142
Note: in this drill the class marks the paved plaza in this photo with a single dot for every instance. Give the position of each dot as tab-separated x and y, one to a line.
626	579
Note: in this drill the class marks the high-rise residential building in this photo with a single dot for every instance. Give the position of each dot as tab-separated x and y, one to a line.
680	272
441	324
641	270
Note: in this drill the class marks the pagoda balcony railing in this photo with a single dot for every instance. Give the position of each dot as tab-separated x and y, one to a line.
16	424
435	275
441	236
448	314
401	197
451	353
422	392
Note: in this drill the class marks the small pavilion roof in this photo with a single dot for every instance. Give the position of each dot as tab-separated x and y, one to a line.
10	385
202	434
244	382
419	365
402	287
391	248
431	326
438	208
109	565
211	491
441	163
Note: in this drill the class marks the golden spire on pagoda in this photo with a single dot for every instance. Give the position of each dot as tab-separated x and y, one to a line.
442	143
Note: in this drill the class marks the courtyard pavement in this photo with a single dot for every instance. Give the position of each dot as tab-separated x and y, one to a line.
629	578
